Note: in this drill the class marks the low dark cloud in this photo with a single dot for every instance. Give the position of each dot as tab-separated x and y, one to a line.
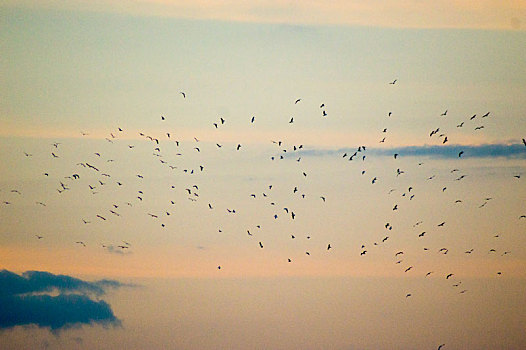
26	300
433	151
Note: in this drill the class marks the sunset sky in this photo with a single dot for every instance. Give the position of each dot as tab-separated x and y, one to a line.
152	154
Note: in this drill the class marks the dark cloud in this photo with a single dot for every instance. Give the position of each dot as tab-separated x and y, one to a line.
442	151
25	300
452	151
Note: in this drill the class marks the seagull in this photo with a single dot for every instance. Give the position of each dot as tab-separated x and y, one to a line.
393	82
182	93
441	346
329	246
80	242
444	114
39	237
298	100
450	275
460	153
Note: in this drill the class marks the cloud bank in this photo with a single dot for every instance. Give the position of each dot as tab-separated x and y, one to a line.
25	300
516	151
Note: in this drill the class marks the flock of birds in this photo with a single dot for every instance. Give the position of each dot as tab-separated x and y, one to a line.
97	169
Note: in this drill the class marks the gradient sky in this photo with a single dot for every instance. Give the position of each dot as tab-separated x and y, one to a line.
75	72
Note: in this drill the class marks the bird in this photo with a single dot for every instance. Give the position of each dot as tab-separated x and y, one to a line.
441	346
329	246
393	82
260	245
298	100
39	237
445	113
449	275
291	120
182	93
460	153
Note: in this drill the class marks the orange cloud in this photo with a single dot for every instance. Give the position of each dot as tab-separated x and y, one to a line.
482	14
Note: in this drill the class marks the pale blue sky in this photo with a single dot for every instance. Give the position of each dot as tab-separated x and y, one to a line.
75	70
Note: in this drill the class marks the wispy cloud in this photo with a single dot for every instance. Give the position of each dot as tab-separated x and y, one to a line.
484	14
433	151
25	300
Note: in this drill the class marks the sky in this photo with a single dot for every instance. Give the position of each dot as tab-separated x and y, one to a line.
262	174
